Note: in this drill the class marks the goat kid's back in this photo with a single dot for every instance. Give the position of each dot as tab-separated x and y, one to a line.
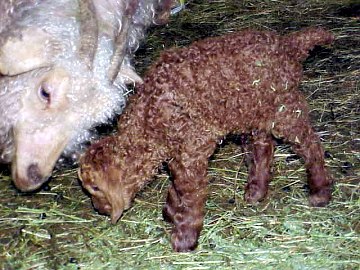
229	78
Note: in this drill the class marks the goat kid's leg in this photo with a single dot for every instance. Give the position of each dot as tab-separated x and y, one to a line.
261	156
294	126
185	203
171	205
187	194
320	183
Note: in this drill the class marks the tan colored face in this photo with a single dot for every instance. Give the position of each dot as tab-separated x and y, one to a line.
98	197
106	194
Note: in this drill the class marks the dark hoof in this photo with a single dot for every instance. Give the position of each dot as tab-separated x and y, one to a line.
254	193
320	198
184	240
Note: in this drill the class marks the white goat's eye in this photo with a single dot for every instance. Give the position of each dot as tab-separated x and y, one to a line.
44	94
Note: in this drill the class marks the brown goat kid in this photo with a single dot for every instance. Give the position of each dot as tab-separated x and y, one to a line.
244	82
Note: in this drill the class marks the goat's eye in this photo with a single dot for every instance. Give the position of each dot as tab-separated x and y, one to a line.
95	188
44	94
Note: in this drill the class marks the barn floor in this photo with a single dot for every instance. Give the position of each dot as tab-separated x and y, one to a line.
57	228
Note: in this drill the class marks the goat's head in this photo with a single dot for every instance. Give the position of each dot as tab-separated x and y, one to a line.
66	76
102	175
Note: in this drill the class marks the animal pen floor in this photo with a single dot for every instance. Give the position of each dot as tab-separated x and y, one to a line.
57	228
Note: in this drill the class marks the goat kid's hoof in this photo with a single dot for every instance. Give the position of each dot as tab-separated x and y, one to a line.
254	193
184	241
321	198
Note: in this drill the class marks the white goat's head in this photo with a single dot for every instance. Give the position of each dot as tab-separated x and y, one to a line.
69	70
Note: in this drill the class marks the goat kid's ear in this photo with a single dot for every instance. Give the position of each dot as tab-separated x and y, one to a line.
117	207
115	215
115	198
25	52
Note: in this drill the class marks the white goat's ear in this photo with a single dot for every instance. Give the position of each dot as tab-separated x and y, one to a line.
129	76
24	52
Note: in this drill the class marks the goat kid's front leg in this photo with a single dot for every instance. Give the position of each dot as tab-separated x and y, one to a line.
261	151
185	202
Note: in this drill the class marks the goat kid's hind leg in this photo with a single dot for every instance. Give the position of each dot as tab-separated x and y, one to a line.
186	198
261	151
295	127
320	183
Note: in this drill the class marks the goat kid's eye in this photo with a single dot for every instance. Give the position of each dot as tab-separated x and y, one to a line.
44	94
95	188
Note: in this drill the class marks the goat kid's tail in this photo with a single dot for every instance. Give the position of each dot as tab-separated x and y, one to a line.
300	43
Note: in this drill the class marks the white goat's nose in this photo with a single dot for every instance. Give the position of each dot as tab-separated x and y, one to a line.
31	181
33	174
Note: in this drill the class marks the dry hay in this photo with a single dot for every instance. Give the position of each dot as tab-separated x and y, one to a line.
57	228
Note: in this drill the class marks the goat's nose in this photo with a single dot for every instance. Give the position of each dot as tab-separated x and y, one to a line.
32	179
33	174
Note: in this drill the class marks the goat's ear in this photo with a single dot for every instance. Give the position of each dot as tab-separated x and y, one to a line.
129	76
116	213
117	205
114	194
24	52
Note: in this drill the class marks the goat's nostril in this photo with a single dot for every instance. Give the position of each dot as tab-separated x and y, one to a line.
33	173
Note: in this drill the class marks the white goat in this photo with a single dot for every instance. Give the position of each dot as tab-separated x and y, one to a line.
64	65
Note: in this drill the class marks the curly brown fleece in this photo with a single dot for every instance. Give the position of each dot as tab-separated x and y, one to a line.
244	82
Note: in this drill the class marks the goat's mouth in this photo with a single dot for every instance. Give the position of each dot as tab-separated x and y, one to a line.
105	207
101	205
